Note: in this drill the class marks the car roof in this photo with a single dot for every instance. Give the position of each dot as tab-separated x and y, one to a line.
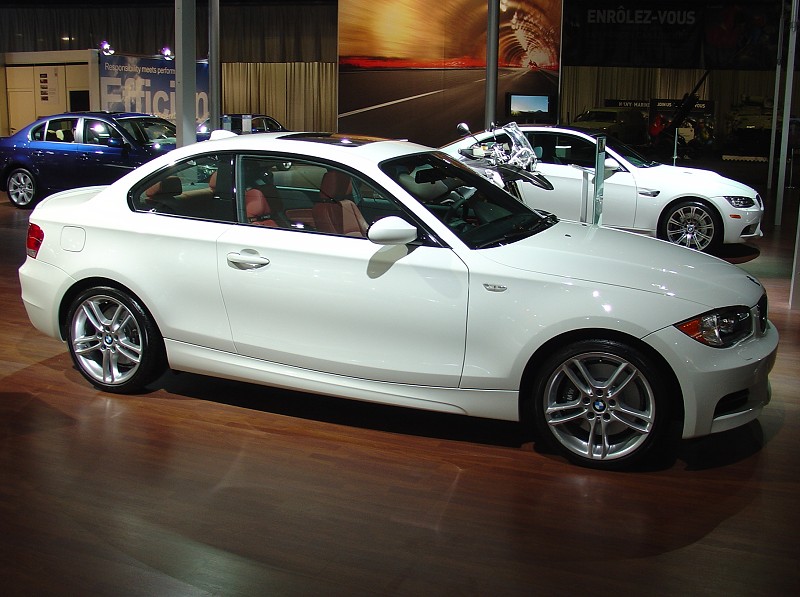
97	113
362	152
89	113
315	142
541	127
566	128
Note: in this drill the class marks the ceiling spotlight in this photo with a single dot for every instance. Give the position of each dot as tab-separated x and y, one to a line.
167	53
106	48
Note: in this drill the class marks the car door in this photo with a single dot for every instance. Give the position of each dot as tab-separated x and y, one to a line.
53	154
568	161
103	156
558	157
342	304
181	211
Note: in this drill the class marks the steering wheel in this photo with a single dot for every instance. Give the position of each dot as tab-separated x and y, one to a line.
458	204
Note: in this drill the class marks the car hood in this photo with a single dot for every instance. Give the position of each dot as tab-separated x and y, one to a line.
706	182
601	255
595	125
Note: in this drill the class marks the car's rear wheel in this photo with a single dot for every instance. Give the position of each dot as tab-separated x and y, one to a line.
692	224
600	403
21	187
113	341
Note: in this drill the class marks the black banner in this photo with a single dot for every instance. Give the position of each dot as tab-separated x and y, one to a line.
665	34
670	34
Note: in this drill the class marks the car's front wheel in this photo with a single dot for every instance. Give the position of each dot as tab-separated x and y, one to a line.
21	187
113	341
692	224
600	403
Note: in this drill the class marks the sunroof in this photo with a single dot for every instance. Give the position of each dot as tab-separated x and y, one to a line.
339	139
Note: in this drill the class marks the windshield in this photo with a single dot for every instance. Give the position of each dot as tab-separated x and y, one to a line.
150	131
630	154
480	213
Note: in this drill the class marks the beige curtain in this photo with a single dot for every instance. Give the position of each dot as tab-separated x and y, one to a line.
301	95
584	87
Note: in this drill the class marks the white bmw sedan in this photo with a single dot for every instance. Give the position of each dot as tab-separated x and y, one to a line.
390	272
687	206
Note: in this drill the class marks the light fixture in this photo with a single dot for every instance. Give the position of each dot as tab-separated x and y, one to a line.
106	48
167	53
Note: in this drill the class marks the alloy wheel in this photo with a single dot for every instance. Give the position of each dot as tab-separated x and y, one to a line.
599	406
106	340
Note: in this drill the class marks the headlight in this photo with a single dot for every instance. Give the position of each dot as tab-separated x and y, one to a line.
721	328
740	202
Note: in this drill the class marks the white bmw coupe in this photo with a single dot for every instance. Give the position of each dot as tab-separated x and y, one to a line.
390	272
687	206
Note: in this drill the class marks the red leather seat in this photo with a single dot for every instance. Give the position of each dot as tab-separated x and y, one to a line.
336	212
258	209
168	188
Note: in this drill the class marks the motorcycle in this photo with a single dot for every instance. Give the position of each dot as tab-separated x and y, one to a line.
507	165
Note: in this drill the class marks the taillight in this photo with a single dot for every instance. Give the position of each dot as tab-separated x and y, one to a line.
34	240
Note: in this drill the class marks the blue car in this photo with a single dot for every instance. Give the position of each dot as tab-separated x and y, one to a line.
78	149
259	123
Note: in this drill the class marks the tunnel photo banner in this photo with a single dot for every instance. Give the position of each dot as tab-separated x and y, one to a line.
414	69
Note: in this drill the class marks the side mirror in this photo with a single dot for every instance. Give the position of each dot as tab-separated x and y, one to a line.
463	128
609	167
392	230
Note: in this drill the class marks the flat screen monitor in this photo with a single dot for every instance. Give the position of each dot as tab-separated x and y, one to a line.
528	108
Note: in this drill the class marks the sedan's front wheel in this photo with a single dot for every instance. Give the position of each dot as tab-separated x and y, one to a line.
600	403
113	341
21	188
692	224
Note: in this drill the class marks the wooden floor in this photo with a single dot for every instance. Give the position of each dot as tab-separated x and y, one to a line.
207	487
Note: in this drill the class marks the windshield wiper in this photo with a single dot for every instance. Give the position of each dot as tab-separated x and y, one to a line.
521	231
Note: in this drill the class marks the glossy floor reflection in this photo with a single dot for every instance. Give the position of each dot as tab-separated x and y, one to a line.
205	487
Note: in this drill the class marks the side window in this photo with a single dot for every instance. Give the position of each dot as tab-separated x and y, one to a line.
196	188
544	146
574	150
61	130
260	201
262	124
304	195
37	133
97	132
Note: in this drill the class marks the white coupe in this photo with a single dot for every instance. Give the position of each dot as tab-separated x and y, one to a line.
390	272
687	206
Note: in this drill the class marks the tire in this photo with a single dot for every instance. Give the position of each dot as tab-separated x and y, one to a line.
21	185
113	341
601	404
692	224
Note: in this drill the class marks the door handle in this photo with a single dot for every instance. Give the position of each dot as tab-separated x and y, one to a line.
247	259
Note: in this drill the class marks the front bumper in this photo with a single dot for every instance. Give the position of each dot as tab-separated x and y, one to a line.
722	388
742	224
